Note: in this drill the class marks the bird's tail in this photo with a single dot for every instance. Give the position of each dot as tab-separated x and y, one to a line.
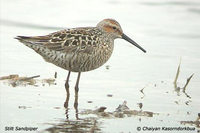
33	39
28	42
35	43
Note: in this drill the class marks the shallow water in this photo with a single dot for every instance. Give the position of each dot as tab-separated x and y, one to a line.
168	30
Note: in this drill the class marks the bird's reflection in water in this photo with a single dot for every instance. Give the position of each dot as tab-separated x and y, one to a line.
66	104
76	104
88	124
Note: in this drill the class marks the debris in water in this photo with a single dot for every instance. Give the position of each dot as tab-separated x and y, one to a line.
140	105
55	75
142	91
15	80
50	81
120	112
56	107
12	76
122	107
187	102
23	107
198	117
101	109
196	122
109	95
107	67
176	102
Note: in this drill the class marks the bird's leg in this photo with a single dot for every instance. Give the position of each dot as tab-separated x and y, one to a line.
76	95
77	82
67	90
67	83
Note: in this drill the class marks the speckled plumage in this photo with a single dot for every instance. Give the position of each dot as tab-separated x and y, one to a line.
78	49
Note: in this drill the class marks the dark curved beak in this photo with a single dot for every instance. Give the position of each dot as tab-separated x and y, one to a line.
125	37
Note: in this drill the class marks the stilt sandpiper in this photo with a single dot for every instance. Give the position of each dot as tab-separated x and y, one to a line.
78	49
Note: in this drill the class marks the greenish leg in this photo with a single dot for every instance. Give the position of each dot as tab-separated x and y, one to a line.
76	95
67	90
77	82
67	83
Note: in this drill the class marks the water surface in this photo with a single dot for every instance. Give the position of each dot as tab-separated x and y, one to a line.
168	30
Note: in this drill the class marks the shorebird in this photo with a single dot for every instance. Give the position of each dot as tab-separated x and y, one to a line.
78	49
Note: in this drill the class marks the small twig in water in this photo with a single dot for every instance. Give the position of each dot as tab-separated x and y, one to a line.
55	75
177	74
29	78
177	89
187	82
142	91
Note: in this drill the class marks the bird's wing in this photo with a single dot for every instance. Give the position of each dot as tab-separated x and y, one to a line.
70	40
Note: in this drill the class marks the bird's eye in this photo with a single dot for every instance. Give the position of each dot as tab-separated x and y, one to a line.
114	27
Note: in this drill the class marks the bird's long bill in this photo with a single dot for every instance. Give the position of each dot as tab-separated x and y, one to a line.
125	37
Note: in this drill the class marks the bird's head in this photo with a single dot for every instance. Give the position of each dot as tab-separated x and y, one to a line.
114	30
